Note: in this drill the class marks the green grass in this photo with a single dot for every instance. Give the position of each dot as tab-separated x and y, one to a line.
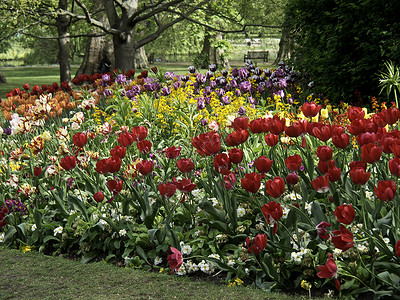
34	276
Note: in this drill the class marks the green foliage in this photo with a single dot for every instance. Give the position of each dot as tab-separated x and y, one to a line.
344	44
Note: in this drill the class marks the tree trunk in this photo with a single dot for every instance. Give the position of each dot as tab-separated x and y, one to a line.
285	46
95	48
206	51
63	24
2	77
221	54
124	51
141	61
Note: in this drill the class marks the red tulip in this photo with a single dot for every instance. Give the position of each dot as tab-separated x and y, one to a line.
356	127
358	163
175	260
366	138
345	214
139	133
167	190
310	109
68	162
294	130
172	152
395	148
343	238
354	113
237	137
144	146
394	166
397	249
334	174
324	153
119	151
341	140
276	124
98	197
292	178
125	139
321	231
263	164
222	164
207	143
391	115
371	153
323	166
230	181
144	167
257	245
185	165
251	182
386	190
329	270
272	212
79	139
293	162
240	123
322	132
235	155
271	139
115	186
184	185
321	184
275	187
359	176
258	125
37	171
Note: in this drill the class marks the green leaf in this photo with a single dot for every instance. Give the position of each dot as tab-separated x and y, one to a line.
78	204
9	236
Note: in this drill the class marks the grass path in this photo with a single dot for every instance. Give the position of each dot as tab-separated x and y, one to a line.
35	276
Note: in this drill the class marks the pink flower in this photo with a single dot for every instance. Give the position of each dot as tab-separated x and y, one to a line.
175	260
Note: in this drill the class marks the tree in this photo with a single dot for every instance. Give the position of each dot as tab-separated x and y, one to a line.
344	44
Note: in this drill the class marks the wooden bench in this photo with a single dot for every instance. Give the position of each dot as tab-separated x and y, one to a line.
256	55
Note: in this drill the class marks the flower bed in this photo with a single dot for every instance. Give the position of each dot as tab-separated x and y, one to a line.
223	171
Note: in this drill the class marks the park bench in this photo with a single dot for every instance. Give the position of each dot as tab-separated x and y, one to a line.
256	55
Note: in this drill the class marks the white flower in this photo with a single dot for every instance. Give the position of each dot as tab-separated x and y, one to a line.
214	201
58	230
186	249
308	207
216	256
241	212
2	237
75	126
286	211
122	232
157	260
33	228
296	256
231	263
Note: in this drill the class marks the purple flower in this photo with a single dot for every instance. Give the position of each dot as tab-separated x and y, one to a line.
213	67
226	100
201	78
136	89
233	83
245	86
252	101
207	91
203	122
166	90
207	100
280	93
7	131
177	85
237	93
209	74
260	88
200	103
105	78
243	73
220	92
242	111
130	94
213	84
192	69
235	72
151	87
224	73
107	93
169	75
121	78
282	83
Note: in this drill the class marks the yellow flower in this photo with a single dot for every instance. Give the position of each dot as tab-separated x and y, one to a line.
324	113
306	285
46	136
26	249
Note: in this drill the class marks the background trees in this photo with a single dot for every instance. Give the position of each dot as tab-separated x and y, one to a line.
344	44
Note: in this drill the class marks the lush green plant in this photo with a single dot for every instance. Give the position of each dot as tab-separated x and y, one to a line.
343	44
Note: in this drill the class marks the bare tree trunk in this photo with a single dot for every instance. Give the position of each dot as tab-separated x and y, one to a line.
63	24
221	54
206	50
124	51
141	61
2	77
285	46
95	48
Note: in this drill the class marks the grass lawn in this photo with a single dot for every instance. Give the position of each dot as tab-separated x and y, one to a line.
34	276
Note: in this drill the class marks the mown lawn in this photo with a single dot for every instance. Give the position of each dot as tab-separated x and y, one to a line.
34	276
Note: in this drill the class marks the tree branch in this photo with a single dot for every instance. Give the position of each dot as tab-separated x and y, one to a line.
59	38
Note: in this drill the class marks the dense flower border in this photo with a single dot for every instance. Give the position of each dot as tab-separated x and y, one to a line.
241	171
